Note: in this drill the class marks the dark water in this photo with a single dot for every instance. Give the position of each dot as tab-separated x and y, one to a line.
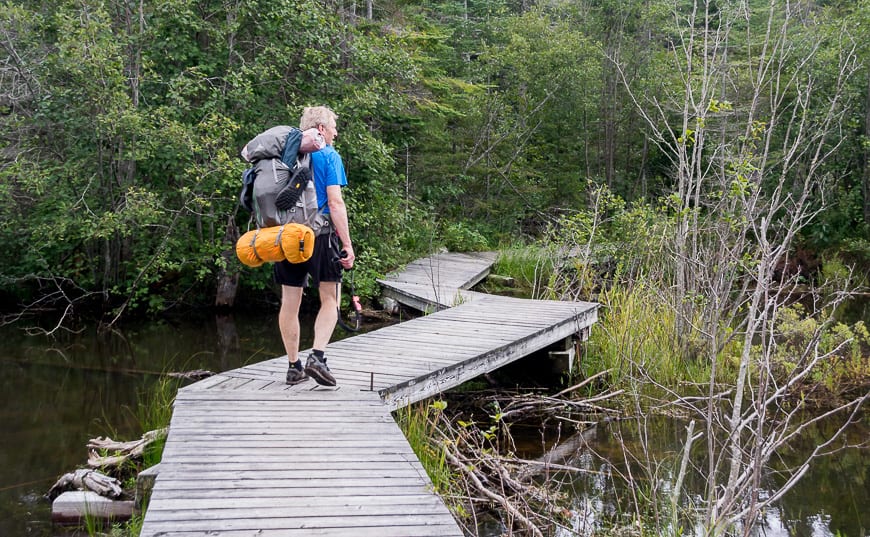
57	393
631	463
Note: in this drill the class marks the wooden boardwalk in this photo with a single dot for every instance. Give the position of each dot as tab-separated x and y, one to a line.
248	455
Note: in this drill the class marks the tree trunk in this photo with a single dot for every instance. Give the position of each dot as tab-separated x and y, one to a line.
865	187
228	279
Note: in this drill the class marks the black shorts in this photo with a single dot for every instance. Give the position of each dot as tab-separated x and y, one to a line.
323	266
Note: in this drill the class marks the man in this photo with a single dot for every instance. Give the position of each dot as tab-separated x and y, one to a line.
333	251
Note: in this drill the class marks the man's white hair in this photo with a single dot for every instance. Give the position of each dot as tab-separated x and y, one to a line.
313	116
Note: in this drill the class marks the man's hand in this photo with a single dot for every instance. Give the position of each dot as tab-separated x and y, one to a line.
347	257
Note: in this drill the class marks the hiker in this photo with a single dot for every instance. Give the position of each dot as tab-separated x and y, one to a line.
333	251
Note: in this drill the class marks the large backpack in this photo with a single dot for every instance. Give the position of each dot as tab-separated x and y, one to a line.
278	189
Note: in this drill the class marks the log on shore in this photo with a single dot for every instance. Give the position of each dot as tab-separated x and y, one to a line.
76	507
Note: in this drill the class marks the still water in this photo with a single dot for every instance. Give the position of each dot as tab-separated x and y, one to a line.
635	462
57	393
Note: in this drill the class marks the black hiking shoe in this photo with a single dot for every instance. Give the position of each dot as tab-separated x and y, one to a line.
295	375
317	370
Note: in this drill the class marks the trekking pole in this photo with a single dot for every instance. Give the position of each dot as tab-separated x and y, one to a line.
354	300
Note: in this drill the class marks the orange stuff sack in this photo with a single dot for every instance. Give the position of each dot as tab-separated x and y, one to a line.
293	242
297	241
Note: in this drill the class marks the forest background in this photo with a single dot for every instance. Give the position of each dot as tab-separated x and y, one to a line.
467	125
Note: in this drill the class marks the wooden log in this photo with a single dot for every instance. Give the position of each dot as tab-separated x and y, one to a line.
77	506
89	480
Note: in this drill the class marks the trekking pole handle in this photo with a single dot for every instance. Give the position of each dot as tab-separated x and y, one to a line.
343	255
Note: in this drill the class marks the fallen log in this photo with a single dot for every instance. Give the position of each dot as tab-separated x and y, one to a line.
121	451
196	374
557	457
88	480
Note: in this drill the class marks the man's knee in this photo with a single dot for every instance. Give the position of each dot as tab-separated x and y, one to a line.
328	294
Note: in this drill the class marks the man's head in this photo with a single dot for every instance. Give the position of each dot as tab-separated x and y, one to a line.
321	118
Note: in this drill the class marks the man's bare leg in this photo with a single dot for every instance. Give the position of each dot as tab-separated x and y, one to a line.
288	324
324	325
327	316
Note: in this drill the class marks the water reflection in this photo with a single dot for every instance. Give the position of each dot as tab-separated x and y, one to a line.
830	500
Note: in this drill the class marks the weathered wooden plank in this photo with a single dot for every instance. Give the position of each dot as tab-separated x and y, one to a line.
210	408
204	384
445	340
288	451
351	502
385	359
432	530
168	492
186	483
291	474
415	352
254	464
297	417
291	441
289	396
311	459
270	427
290	510
347	521
301	413
424	298
380	353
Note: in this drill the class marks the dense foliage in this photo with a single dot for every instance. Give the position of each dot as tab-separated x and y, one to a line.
467	125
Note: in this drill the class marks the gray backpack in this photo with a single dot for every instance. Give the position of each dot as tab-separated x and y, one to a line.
278	188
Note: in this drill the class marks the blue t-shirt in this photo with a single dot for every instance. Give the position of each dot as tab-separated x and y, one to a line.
328	170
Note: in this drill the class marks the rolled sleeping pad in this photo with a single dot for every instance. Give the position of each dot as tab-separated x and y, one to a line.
293	242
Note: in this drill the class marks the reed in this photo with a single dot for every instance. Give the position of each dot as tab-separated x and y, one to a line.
155	412
532	268
635	339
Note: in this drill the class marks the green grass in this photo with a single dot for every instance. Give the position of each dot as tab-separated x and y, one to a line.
155	412
418	423
531	268
635	339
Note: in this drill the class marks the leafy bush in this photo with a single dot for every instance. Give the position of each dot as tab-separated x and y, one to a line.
462	237
845	352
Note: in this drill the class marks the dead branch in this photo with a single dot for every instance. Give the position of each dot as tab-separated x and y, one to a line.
122	451
467	470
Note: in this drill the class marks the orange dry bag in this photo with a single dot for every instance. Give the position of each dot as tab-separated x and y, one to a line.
293	242
297	241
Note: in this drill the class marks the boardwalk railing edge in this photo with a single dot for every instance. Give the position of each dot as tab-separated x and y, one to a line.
441	380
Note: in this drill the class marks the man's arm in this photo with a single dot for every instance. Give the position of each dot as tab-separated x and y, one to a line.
338	213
